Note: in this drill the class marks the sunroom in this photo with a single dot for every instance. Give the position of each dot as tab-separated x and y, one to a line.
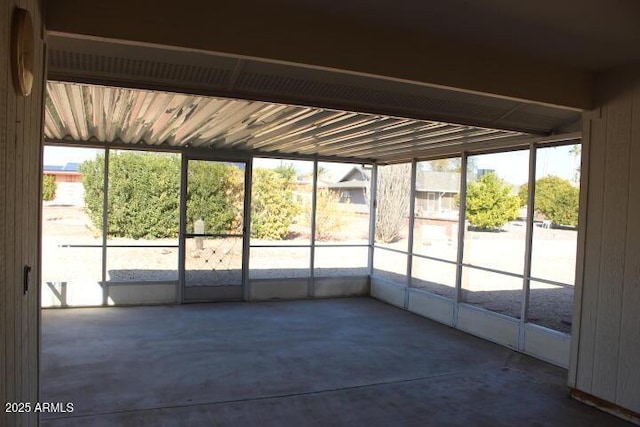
191	198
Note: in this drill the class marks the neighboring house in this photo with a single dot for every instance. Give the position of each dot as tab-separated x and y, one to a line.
353	187
70	172
437	192
303	187
69	189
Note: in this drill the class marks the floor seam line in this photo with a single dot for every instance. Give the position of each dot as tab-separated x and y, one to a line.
275	396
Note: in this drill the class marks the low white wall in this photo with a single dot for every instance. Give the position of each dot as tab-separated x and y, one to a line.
545	344
270	289
326	287
323	287
141	294
213	293
88	294
491	326
91	294
388	292
431	306
542	343
72	294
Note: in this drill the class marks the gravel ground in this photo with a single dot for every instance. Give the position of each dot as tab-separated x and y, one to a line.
553	258
219	260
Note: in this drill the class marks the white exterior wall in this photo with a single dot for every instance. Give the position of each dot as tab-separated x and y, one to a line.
69	193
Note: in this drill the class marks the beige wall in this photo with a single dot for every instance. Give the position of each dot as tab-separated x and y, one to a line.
20	136
606	343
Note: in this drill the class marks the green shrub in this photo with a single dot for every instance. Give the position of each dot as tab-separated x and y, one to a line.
490	203
523	194
144	197
92	181
273	207
49	187
144	194
557	200
216	196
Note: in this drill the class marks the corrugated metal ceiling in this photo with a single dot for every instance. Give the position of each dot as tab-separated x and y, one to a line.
99	114
112	63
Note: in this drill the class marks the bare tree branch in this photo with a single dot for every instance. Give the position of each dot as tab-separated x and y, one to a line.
394	191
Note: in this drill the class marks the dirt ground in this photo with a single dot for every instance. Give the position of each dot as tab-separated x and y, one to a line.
72	252
68	256
553	259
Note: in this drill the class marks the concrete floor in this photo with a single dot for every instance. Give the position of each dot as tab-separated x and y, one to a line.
341	362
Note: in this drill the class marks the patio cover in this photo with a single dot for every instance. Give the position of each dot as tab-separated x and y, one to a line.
92	115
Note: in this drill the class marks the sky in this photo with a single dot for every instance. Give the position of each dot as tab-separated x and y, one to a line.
62	155
335	170
511	166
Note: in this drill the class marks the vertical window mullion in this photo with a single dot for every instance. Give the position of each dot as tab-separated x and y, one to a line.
373	200
105	225
461	232
314	195
528	243
412	209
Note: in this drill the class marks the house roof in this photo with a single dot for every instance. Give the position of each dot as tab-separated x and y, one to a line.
309	182
68	167
444	182
358	173
356	177
354	183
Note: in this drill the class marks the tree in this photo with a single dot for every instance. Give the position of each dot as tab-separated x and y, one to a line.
394	192
93	183
451	164
273	207
287	171
490	203
323	173
558	200
215	194
49	187
576	151
523	194
329	218
143	197
444	165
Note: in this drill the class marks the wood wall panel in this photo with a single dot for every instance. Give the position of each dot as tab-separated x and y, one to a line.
12	329
595	126
606	353
612	255
20	171
628	384
585	160
4	42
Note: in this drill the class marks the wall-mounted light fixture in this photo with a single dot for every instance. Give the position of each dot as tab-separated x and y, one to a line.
22	51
